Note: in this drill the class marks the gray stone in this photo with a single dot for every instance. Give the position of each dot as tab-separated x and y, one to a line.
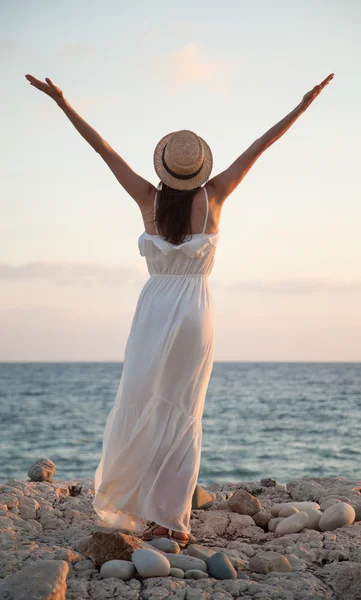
268	482
220	566
357	508
195	574
186	563
198	551
336	516
120	569
41	581
262	517
292	524
272	524
328	503
42	470
244	503
314	517
265	562
344	578
275	509
166	545
83	565
178	573
150	563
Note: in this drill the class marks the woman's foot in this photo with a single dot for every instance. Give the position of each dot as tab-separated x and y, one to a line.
155	531
176	534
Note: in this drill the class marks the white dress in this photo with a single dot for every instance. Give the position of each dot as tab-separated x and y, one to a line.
153	435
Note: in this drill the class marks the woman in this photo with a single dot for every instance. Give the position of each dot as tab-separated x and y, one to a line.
152	440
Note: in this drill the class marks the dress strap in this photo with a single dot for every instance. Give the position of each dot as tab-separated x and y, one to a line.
154	211
206	219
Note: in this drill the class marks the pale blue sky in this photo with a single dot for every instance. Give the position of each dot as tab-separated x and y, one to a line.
287	278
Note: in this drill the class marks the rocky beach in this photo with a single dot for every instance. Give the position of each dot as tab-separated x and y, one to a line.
255	540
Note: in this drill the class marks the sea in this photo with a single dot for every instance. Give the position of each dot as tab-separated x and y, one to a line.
261	419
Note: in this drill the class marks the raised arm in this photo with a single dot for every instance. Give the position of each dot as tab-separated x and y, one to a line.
138	188
226	182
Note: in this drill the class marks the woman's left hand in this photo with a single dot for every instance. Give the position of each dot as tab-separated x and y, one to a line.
310	96
47	87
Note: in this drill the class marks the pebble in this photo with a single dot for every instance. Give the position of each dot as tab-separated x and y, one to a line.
220	566
337	497
287	511
174	572
199	551
272	524
262	517
150	563
357	508
42	470
121	569
314	517
265	562
275	509
201	497
185	562
244	503
292	524
327	503
195	574
166	545
336	516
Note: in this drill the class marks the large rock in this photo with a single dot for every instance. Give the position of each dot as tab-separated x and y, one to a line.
265	562
201	497
44	580
42	470
345	579
336	516
102	546
244	503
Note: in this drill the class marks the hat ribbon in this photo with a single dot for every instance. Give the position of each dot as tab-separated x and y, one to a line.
176	175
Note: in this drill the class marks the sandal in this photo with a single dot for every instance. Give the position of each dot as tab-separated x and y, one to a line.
148	534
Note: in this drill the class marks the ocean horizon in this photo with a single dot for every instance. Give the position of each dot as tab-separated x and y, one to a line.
282	420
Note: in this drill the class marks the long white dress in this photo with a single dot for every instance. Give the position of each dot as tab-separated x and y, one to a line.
153	435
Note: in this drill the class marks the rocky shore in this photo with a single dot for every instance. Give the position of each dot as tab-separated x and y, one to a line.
255	540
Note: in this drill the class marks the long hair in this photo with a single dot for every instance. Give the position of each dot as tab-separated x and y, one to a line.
173	213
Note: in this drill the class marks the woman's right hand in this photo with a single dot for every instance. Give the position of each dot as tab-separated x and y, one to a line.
48	88
311	95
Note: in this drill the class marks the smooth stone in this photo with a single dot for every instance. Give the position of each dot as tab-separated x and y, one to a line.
220	566
201	497
272	524
337	496
195	574
262	517
337	516
265	562
314	517
292	524
83	565
275	509
166	545
244	503
327	503
174	572
42	470
287	511
150	563
357	508
121	569
185	562
198	551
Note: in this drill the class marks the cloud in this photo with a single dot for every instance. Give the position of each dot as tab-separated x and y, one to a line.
191	66
78	50
7	45
296	286
70	274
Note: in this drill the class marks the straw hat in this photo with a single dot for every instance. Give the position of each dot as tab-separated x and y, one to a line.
183	160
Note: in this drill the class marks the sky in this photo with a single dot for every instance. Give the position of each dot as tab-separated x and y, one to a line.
286	283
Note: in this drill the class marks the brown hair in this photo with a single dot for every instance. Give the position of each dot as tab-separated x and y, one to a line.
173	213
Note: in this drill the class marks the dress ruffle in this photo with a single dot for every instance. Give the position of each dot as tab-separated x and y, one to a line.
198	246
